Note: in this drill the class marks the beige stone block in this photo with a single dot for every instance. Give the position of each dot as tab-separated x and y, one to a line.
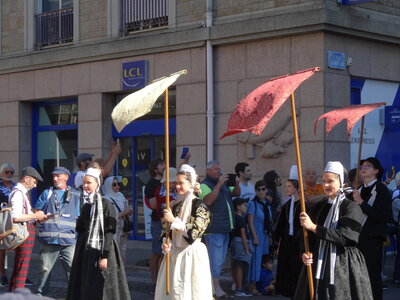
11	142
4	88
268	58
230	62
226	96
385	61
359	51
11	157
220	126
75	80
191	98
21	86
226	155
198	62
335	43
198	157
90	107
337	89
307	51
311	91
171	62
47	83
9	114
312	156
90	129
339	151
306	120
197	133
105	76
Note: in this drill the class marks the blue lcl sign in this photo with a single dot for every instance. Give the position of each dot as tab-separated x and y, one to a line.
134	75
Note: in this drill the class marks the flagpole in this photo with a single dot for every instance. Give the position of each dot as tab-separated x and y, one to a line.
167	238
359	151
302	201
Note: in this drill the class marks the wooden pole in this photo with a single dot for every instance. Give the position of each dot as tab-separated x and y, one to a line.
302	201
167	235
359	152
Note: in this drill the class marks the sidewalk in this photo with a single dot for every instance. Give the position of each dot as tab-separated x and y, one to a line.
138	274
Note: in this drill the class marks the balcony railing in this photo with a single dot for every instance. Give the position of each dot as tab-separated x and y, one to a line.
143	14
54	27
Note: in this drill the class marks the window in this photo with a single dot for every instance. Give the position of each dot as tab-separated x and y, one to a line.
54	26
144	14
54	138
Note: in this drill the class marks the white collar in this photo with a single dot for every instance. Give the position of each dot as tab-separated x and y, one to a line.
370	183
21	187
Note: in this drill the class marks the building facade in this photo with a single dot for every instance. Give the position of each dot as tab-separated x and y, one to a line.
65	64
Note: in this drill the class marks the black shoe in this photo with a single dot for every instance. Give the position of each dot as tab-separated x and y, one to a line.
3	280
29	283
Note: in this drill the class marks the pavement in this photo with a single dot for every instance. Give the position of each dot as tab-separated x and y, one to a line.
139	280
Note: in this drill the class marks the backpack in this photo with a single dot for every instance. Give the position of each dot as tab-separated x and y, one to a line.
11	234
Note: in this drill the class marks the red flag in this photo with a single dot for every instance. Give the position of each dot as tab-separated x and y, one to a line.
352	113
254	112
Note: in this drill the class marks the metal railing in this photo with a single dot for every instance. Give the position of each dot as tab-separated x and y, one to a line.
54	27
143	14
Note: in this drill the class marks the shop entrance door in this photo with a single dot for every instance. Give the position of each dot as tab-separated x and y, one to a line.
141	142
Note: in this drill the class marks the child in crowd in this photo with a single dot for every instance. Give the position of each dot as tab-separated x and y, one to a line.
241	249
266	285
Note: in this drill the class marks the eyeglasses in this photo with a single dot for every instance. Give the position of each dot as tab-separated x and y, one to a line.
262	189
365	167
115	184
9	172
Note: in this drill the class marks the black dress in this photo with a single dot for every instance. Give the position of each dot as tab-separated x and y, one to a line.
289	256
351	276
87	281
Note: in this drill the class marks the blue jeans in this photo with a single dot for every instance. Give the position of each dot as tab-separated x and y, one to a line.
217	245
48	256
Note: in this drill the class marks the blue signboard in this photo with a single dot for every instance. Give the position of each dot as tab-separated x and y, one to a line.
134	75
392	116
350	2
336	60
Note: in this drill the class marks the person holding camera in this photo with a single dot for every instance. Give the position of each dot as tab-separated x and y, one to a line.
217	195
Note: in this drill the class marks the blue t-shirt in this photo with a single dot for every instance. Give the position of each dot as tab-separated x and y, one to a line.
265	280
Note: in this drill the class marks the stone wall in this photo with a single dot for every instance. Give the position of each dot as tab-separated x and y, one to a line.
12	26
92	19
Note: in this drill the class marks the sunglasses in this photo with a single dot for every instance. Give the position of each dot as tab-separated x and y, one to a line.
9	172
262	189
115	184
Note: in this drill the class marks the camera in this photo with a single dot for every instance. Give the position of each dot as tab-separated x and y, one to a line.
231	179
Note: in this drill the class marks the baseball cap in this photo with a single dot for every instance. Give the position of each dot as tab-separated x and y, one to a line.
83	156
61	170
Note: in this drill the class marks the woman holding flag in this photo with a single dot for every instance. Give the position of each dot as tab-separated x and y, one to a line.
335	223
190	266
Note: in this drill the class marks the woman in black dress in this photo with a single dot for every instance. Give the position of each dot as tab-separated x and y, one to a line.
97	271
334	224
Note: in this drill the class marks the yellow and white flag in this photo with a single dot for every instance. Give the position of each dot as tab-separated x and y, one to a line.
141	102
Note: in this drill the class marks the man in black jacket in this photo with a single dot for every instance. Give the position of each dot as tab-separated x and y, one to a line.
375	201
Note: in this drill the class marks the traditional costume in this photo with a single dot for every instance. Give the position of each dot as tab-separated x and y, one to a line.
189	265
286	233
339	268
96	227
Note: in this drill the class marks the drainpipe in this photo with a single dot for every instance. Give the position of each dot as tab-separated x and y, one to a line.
210	86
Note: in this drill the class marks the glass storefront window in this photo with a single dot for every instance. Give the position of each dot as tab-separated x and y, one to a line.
62	114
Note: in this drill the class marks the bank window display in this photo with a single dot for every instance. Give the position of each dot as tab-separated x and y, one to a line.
54	138
142	141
